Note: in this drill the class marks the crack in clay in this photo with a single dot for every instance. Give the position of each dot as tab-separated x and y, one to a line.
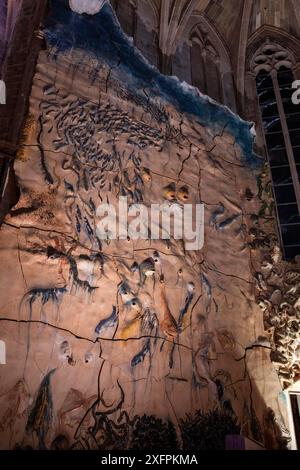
185	160
227	275
251	348
98	339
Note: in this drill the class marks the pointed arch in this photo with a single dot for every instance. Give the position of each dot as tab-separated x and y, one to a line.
174	18
210	64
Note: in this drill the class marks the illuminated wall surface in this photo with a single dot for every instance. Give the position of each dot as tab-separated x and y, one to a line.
99	352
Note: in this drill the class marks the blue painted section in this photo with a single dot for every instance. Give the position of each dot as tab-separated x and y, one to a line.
184	311
101	37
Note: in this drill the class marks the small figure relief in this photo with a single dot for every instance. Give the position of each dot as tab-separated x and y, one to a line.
147	270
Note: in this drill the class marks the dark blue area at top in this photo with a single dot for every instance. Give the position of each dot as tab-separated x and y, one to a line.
101	36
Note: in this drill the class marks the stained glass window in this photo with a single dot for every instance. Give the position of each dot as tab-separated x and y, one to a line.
281	123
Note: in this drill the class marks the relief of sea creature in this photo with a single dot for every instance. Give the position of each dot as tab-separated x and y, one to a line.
168	324
50	294
226	223
134	306
109	322
207	291
149	323
187	303
40	418
125	292
217	213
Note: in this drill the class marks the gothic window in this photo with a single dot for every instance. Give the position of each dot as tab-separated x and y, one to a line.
281	123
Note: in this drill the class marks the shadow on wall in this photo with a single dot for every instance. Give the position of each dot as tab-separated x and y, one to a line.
9	190
113	429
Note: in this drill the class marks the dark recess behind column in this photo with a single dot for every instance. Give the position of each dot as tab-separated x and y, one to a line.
17	71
